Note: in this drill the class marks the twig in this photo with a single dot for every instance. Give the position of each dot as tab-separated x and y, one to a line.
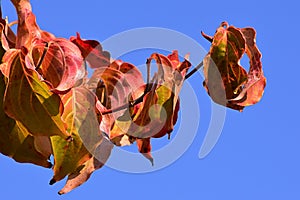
194	70
136	101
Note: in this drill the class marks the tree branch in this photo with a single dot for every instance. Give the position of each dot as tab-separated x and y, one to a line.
194	70
23	8
130	104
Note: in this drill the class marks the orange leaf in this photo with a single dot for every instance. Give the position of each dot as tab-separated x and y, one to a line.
226	81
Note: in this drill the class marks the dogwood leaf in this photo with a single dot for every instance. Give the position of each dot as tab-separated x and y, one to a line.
59	61
114	83
82	123
144	147
171	73
26	95
15	141
254	88
226	81
92	52
83	172
156	115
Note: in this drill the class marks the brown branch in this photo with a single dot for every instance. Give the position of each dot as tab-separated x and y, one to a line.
194	70
136	101
23	8
130	104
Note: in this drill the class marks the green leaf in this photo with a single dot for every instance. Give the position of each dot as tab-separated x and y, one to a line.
83	172
28	100
15	140
81	119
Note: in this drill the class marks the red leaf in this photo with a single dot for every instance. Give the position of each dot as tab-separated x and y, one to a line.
144	147
92	52
114	85
59	61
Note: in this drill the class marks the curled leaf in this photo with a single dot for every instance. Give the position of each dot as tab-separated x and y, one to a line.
226	81
254	88
7	37
59	61
171	73
114	84
92	52
28	30
156	114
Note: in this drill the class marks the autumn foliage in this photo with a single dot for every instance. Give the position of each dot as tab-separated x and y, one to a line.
51	106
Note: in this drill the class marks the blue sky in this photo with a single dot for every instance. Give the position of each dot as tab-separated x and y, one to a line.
257	155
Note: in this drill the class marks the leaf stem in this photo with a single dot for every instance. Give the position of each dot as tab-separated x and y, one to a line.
13	23
194	70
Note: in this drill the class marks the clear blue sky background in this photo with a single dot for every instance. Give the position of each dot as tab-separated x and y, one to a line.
257	156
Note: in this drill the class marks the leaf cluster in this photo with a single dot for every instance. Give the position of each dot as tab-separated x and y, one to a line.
51	106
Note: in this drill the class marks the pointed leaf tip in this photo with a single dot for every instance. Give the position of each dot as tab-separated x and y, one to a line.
144	147
84	171
82	122
52	182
